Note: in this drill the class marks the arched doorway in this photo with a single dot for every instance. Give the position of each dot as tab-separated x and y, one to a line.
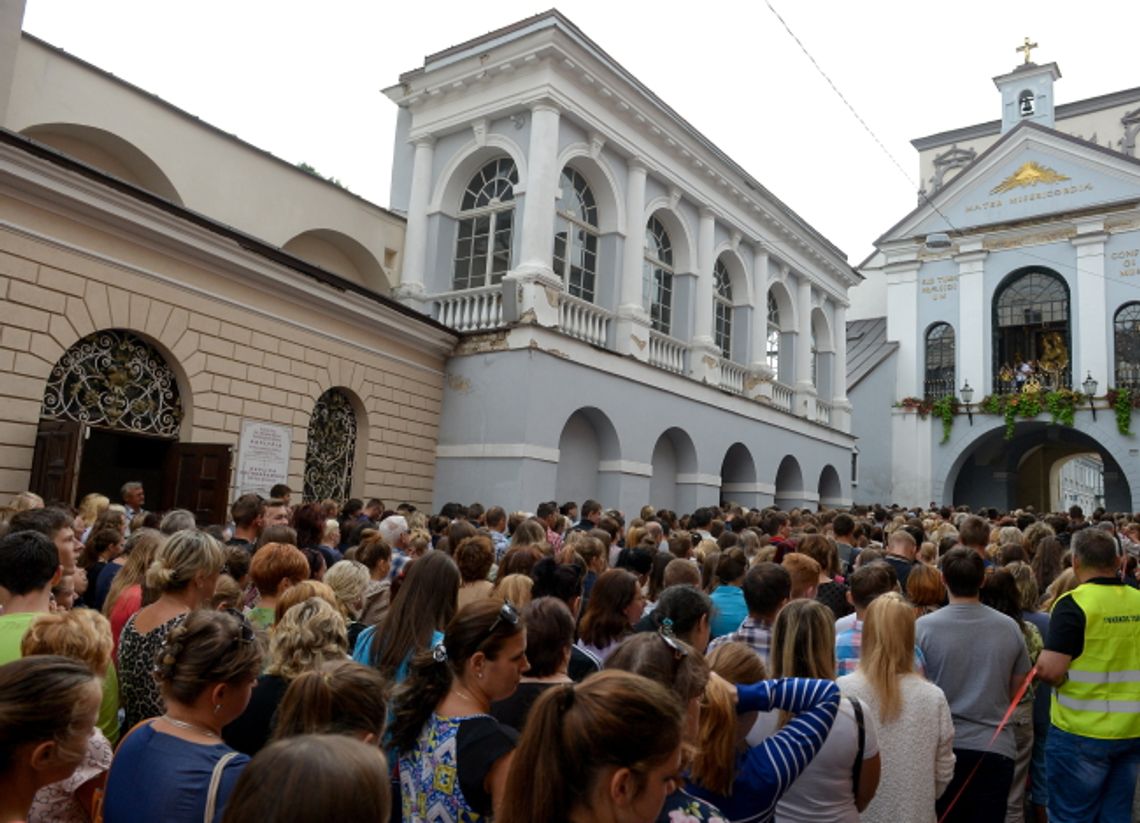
112	413
830	489
1025	471
674	466
331	452
789	484
738	477
587	441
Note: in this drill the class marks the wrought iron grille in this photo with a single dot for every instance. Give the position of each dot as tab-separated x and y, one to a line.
939	377
115	379
332	448
1126	336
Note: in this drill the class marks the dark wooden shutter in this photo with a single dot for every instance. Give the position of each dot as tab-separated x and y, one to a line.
55	462
198	479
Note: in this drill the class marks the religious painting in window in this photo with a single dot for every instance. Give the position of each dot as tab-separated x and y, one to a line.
657	277
486	222
722	309
1126	337
1031	333
576	235
938	379
114	379
332	448
773	350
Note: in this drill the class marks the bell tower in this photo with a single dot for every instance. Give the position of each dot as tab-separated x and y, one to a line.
1027	92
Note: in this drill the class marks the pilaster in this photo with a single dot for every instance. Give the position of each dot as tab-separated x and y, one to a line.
632	330
970	335
1092	327
805	390
704	360
410	291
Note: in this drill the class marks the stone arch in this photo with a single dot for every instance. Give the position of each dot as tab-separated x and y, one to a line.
789	483
342	255
603	183
738	476
588	441
785	304
737	271
684	248
336	445
830	488
107	152
821	329
674	466
459	170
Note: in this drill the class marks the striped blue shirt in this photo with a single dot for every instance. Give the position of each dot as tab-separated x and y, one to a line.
764	772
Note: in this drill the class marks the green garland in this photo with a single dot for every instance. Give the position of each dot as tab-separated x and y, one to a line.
1062	406
1122	406
945	408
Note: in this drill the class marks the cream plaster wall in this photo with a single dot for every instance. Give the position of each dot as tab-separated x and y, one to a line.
243	351
246	188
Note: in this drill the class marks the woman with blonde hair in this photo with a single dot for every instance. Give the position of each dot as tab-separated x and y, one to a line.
308	635
916	733
843	776
184	572
90	507
48	705
514	587
125	576
348	579
85	636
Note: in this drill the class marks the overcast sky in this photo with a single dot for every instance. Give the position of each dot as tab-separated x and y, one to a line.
302	79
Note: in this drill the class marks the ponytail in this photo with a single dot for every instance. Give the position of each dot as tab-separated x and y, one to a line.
416	698
540	786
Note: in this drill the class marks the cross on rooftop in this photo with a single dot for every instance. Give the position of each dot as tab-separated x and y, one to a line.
1027	48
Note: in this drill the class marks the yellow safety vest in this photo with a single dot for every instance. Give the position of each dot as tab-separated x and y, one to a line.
1101	698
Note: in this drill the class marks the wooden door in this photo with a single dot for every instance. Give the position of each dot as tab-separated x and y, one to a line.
55	462
198	479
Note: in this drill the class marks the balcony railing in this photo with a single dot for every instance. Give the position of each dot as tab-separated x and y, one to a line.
472	309
583	320
1008	382
782	396
731	376
667	352
1127	377
937	388
822	412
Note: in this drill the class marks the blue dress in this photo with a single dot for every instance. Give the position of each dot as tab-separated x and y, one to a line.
158	776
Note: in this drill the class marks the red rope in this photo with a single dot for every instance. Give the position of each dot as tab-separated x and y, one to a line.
1008	714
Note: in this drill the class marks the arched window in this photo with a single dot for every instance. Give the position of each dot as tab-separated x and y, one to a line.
332	448
114	379
1126	335
1031	332
657	277
576	235
939	378
773	355
486	223
722	309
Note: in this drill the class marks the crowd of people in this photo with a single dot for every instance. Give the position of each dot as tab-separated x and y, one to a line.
347	661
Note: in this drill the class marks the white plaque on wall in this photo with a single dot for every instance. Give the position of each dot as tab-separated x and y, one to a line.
263	456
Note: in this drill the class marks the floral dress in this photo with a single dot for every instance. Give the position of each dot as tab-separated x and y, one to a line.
139	691
682	807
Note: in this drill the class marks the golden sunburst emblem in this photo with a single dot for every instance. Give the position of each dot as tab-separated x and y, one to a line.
1030	174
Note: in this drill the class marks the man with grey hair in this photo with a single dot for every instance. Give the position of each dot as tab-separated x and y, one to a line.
1092	659
395	532
133	498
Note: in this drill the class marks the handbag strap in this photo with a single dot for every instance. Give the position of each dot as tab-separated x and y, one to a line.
215	780
857	769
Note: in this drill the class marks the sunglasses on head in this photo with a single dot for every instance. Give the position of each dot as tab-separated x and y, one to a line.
245	630
507	614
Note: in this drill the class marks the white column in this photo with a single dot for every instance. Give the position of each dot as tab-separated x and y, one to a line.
531	292
702	321
632	330
841	411
704	358
758	382
537	249
805	389
902	324
411	288
1093	318
970	336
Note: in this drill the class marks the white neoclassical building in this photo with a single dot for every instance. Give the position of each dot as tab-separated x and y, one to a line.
644	321
1016	277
